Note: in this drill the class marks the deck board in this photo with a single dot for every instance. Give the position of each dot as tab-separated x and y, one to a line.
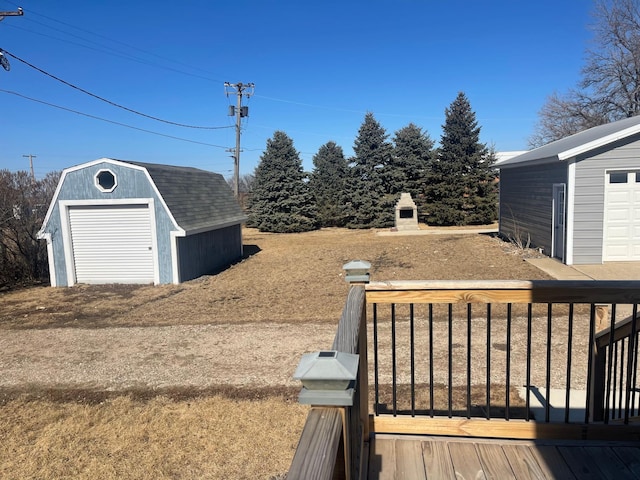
524	463
494	461
437	461
426	457
552	462
466	462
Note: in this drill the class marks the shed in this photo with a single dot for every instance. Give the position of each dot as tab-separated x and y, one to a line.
578	198
115	221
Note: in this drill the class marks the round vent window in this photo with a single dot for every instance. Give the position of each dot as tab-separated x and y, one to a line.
106	180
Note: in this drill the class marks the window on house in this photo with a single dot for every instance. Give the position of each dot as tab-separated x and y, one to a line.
618	177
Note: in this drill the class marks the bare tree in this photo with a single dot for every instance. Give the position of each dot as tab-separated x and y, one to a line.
610	86
23	205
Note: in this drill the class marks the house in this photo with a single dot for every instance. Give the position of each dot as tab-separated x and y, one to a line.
578	198
114	221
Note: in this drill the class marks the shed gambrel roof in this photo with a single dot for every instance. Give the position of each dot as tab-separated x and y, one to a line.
578	143
197	199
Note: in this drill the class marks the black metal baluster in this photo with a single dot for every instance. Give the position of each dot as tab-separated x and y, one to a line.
393	360
610	364
431	359
567	401
508	361
413	365
488	361
548	380
468	360
450	365
592	333
614	375
375	358
528	372
621	378
629	402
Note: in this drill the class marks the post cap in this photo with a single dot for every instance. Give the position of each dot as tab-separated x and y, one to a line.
357	271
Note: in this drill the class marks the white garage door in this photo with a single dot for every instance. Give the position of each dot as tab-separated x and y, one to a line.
112	244
622	217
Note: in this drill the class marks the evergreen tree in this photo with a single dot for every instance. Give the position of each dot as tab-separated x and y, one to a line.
461	184
413	150
327	185
369	203
280	200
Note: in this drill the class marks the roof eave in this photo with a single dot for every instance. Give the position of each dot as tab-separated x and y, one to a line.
599	142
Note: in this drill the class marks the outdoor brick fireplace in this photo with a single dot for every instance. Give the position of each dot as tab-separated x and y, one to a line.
406	213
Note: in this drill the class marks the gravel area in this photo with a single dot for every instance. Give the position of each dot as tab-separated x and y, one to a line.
158	357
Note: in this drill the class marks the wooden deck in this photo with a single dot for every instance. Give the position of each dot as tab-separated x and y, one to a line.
422	457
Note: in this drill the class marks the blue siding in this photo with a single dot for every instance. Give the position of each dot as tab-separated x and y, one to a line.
207	252
526	200
132	183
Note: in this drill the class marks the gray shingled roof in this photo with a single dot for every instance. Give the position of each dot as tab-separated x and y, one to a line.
196	198
579	143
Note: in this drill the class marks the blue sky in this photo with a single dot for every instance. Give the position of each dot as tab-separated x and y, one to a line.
317	66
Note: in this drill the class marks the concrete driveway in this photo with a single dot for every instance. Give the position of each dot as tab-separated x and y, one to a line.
604	271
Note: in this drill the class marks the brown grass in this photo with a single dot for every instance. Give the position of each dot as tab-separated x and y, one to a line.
158	438
221	432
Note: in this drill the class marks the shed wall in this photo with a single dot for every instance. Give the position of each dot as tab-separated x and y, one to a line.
589	197
206	252
79	185
526	202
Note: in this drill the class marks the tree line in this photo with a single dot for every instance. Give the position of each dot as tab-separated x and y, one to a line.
23	204
454	184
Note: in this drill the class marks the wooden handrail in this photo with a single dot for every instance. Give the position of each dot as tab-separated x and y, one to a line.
504	291
333	439
622	329
318	447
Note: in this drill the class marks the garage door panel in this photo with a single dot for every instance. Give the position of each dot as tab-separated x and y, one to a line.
622	220
619	215
112	244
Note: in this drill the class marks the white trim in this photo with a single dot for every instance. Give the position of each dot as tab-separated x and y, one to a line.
569	213
229	223
66	230
97	181
175	274
599	142
50	259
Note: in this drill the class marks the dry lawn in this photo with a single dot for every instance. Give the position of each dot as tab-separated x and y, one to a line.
219	430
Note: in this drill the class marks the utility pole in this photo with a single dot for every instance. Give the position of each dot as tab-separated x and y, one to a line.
16	13
4	62
246	90
31	157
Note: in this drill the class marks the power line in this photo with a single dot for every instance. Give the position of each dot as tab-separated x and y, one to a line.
172	60
109	51
104	99
109	121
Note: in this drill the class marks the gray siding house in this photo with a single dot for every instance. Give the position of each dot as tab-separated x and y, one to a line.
578	198
114	221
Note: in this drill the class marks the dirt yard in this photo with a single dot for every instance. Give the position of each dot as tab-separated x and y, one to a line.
95	362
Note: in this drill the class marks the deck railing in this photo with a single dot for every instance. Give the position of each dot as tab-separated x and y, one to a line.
510	359
449	355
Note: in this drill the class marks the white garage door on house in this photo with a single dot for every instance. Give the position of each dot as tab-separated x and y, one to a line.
112	243
622	216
